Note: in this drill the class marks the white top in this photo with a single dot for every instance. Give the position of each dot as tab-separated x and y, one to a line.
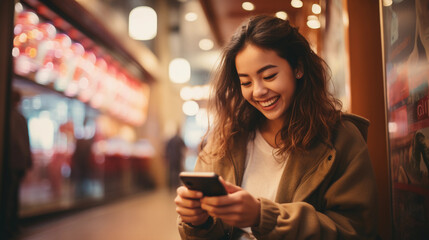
262	171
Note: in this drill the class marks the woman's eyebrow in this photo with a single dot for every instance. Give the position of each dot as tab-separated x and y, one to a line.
259	71
265	68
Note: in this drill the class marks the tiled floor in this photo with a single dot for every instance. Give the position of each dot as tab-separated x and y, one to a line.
149	216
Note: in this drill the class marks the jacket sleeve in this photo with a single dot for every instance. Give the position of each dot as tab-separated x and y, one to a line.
349	210
214	229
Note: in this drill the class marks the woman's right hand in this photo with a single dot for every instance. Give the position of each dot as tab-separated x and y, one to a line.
188	206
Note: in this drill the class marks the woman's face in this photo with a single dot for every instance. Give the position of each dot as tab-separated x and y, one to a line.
267	81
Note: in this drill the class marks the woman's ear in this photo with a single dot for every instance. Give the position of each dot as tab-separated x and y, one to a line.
298	73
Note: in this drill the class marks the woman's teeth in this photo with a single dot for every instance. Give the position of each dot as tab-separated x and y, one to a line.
268	102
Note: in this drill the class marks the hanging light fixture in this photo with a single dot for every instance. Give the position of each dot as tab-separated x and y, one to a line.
179	70
142	23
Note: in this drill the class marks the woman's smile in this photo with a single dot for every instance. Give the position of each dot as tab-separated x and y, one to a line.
269	103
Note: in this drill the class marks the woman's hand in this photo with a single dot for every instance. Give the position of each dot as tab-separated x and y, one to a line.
239	208
188	206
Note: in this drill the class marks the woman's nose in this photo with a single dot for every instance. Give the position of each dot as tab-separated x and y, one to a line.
259	89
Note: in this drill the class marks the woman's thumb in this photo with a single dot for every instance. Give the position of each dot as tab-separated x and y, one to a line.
230	188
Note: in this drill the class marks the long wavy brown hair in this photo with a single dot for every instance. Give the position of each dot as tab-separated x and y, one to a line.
313	112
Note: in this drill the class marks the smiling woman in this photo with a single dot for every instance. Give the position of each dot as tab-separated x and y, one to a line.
294	165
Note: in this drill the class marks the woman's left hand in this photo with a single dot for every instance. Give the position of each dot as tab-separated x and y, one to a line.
239	208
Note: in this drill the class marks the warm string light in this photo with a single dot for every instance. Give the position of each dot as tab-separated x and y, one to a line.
316	9
313	22
296	3
281	15
248	6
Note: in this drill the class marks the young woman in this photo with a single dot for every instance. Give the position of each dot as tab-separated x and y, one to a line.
294	166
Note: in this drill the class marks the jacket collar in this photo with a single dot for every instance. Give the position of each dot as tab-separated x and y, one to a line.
361	123
238	157
304	172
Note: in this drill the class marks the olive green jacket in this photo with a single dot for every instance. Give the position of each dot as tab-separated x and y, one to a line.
328	192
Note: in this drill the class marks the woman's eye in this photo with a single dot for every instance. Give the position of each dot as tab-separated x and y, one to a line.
270	76
245	83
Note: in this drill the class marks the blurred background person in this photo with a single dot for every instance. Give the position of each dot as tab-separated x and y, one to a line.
19	162
175	152
81	167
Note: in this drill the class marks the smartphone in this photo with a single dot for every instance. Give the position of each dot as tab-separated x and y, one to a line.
206	182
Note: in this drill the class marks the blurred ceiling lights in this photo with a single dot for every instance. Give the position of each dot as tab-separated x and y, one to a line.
191	17
316	9
296	3
281	15
179	70
190	108
196	93
313	22
206	44
248	6
142	23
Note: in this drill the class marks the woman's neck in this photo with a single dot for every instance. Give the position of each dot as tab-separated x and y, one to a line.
270	130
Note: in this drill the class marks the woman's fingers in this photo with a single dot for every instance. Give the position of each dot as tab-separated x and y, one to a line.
186	202
230	199
189	211
188	198
217	211
186	193
237	209
217	206
189	206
